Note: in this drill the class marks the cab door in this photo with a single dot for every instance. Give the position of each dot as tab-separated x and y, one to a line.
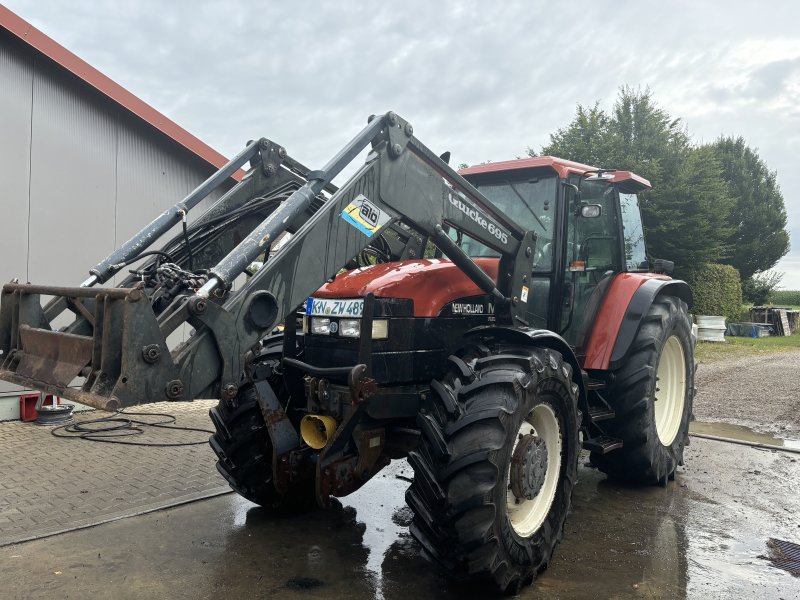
594	257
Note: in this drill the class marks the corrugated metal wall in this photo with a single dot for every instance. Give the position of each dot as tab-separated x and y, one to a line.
78	174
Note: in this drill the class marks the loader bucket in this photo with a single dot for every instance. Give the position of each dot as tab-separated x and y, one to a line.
114	333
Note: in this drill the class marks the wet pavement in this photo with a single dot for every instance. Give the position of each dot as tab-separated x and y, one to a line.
704	536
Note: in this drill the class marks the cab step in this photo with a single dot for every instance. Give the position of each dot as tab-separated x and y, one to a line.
601	413
602	444
594	384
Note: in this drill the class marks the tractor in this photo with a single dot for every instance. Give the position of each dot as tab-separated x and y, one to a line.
484	324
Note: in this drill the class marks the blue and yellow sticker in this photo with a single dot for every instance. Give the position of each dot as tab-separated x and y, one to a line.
364	215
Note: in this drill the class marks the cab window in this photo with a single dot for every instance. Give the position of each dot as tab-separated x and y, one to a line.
595	241
593	258
635	255
530	203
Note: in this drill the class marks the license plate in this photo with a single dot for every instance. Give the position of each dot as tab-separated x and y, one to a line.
334	308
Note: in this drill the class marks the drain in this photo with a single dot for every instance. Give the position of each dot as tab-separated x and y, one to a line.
785	555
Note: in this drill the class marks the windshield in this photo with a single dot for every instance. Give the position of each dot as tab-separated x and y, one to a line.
530	204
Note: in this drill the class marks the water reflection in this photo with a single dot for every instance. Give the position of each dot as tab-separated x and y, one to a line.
377	506
317	555
741	433
619	542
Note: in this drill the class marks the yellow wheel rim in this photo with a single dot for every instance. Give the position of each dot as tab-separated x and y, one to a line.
527	516
670	390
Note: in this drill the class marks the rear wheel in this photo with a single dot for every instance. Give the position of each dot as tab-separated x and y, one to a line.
652	396
496	464
242	443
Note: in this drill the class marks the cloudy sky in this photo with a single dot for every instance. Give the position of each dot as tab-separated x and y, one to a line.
484	80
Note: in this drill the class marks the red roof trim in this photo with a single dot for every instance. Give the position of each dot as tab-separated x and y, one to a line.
56	52
632	180
561	166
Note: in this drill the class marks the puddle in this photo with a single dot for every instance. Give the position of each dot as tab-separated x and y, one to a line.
376	505
741	433
785	555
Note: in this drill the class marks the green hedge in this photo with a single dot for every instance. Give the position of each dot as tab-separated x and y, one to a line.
717	290
785	297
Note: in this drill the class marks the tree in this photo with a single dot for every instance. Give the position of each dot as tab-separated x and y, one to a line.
587	139
685	220
687	214
758	217
759	288
647	139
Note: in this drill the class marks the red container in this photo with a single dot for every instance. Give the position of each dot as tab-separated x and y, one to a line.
27	405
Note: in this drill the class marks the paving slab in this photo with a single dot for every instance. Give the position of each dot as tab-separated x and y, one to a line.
50	485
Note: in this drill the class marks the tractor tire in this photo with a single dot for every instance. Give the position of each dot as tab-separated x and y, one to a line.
243	446
480	517
652	396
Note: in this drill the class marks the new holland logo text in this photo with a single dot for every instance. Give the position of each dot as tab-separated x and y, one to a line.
462	308
477	216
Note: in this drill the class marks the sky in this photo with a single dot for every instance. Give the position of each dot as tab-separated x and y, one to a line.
483	80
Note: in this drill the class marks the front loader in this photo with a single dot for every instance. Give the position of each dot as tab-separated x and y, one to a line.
484	324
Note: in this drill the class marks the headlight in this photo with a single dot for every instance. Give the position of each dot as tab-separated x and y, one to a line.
350	327
380	329
320	325
345	327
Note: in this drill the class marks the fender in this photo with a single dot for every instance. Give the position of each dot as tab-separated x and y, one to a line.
624	308
526	336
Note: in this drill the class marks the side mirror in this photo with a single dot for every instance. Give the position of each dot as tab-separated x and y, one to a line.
591	211
663	266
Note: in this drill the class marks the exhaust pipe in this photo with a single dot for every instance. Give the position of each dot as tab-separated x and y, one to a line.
317	430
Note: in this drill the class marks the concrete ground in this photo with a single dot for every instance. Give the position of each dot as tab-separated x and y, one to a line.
703	536
49	484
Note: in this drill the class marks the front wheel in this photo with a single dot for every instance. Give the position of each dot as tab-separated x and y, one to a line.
243	446
496	464
652	396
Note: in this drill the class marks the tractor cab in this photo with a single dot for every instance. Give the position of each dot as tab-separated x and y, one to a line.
588	229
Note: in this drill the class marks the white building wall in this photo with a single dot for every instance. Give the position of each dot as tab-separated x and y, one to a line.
78	175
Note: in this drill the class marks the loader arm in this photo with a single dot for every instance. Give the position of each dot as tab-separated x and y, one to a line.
118	339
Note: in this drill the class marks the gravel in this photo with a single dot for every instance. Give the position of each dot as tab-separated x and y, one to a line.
760	392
